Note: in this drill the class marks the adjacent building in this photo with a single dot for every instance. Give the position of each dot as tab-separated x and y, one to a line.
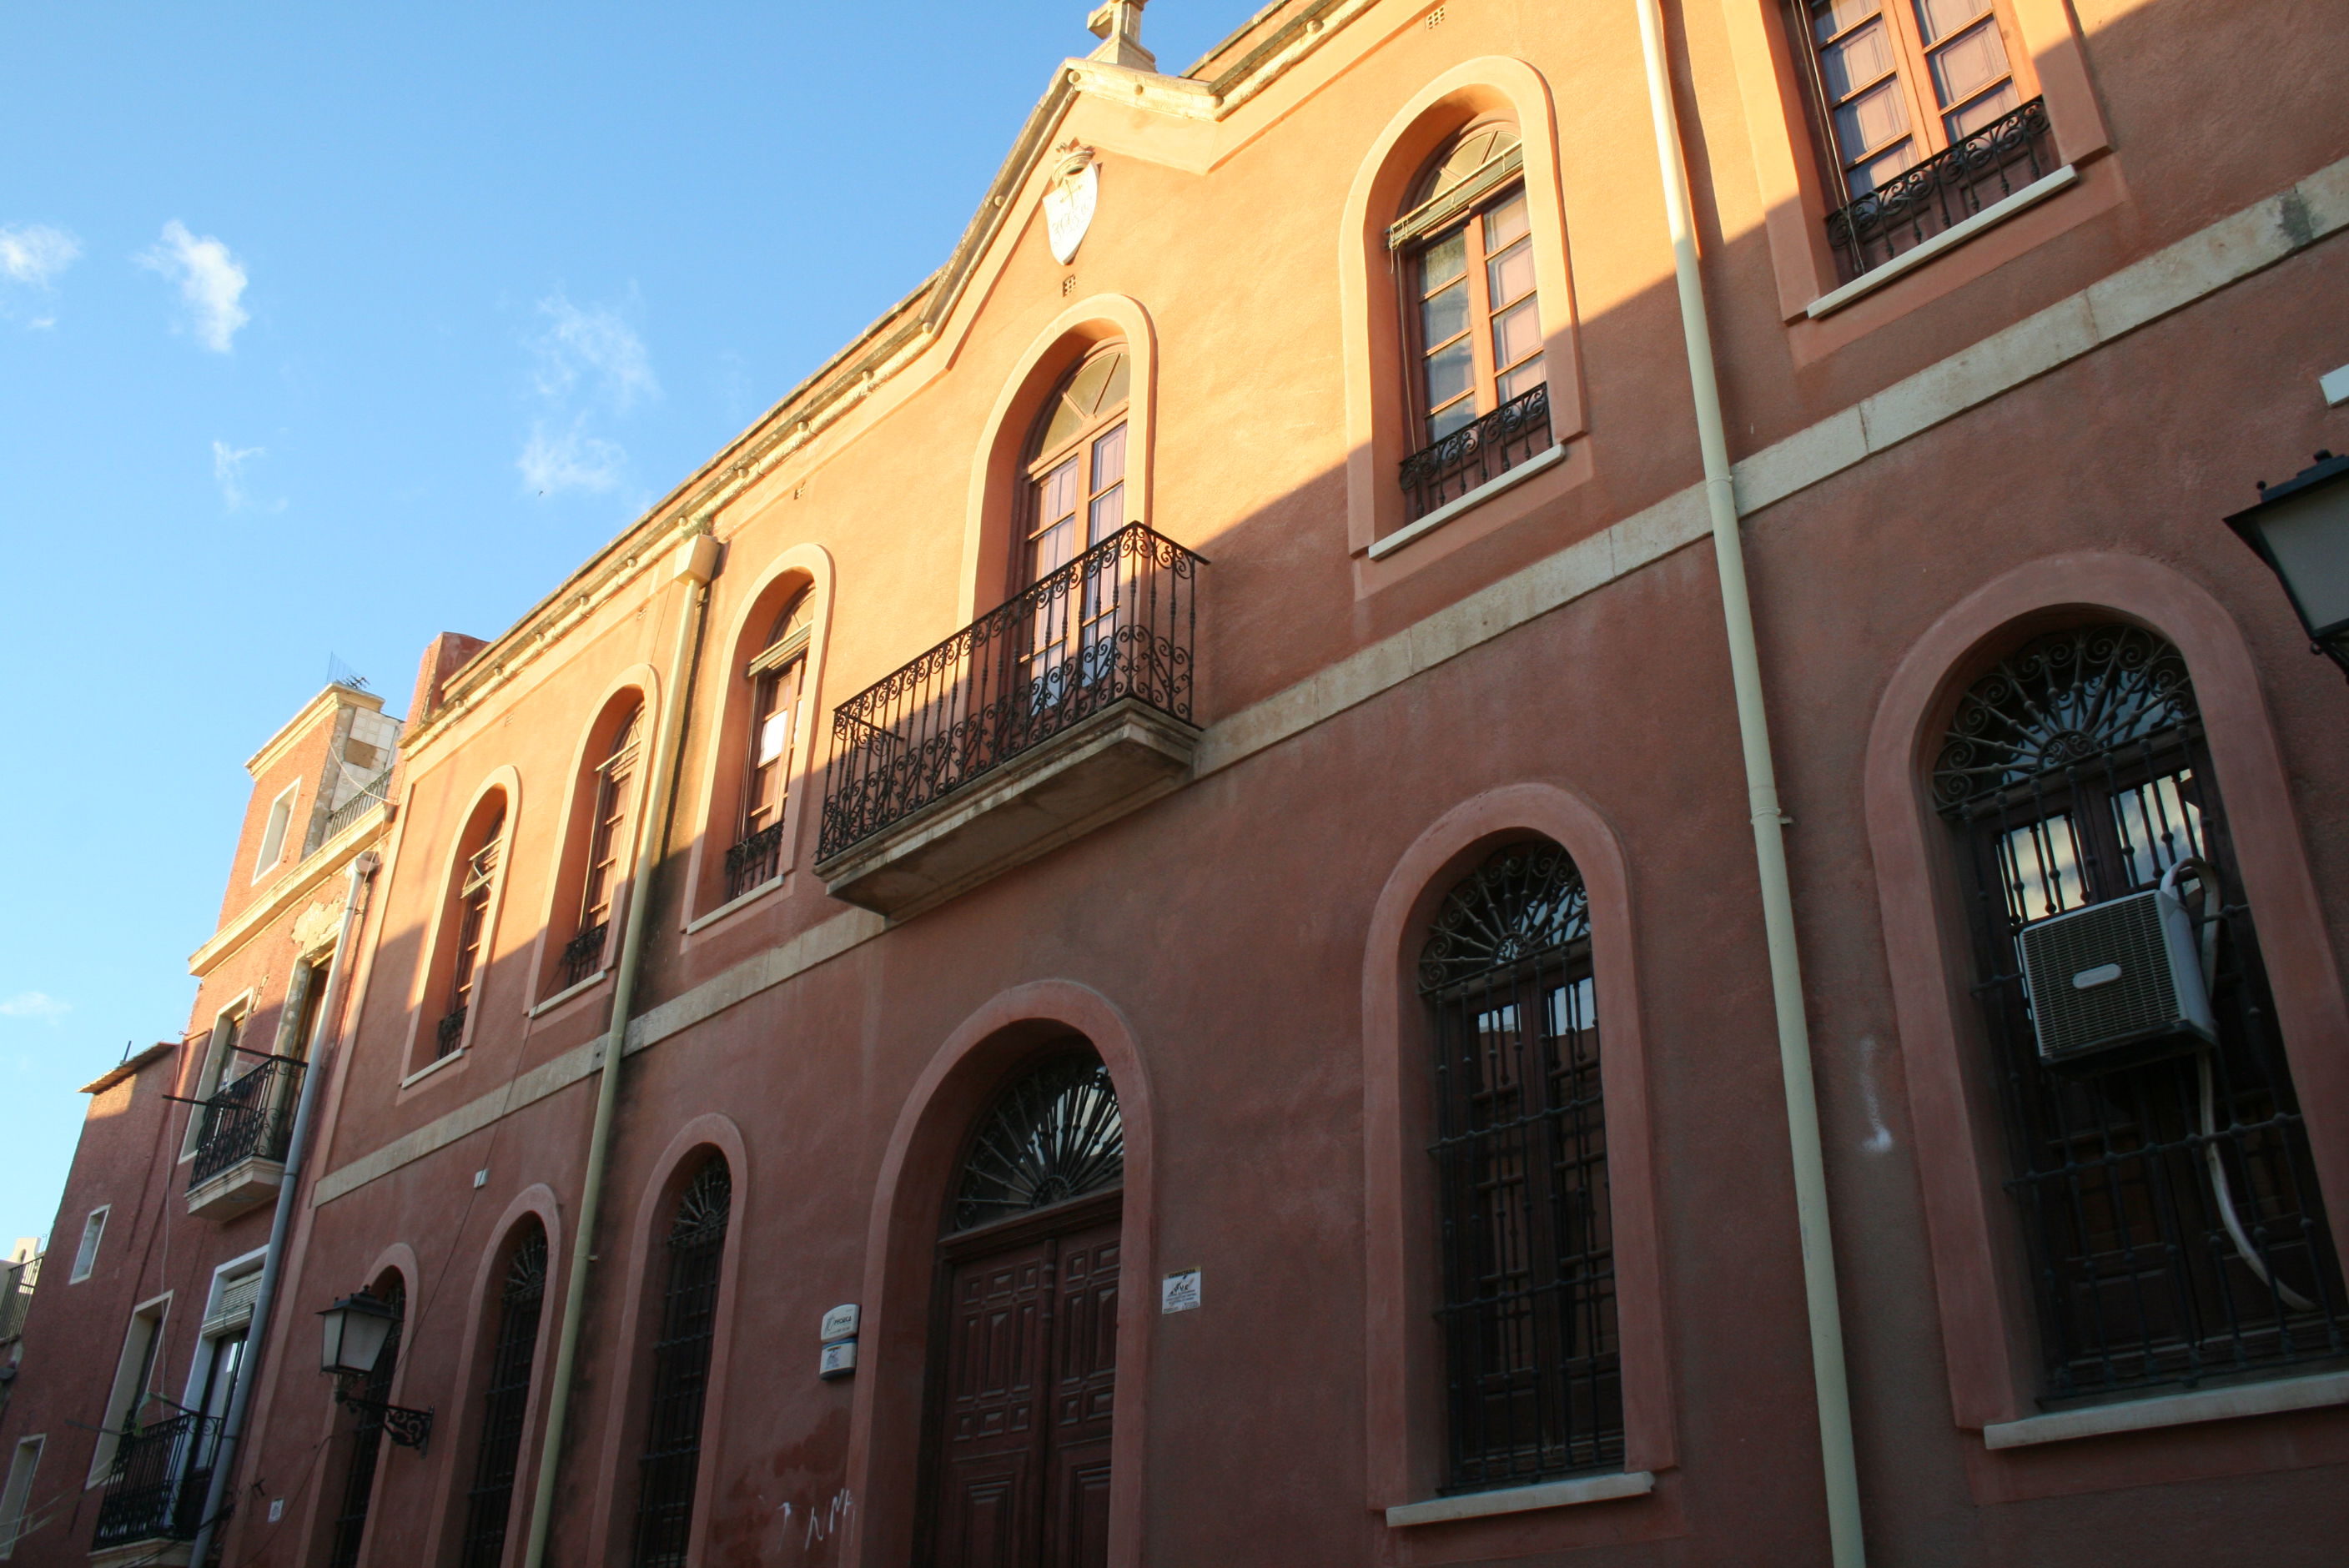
1151	924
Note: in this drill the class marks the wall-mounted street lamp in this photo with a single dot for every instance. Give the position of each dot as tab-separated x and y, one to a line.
2301	529
357	1327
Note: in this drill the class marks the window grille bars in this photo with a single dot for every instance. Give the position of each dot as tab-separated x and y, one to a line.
1943	191
754	860
156	1491
451	1030
1534	1376
680	1381
367	1440
2078	771
1115	624
489	1503
1476	453
1053	1136
251	1117
582	956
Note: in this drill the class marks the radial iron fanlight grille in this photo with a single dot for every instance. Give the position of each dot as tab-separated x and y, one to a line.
1052	1136
1525	900
2061	701
702	1211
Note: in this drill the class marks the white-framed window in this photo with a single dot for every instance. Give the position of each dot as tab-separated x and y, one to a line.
93	1231
272	837
220	1350
221	1066
134	1373
17	1494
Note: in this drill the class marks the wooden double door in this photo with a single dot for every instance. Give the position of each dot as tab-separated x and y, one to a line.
1028	1375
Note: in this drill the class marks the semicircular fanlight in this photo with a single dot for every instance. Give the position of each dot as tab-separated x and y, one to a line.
1052	1136
1525	900
2065	700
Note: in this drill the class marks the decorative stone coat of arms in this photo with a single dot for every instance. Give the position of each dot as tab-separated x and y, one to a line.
1070	199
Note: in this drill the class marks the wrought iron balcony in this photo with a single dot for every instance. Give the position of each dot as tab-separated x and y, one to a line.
754	860
1476	453
17	1280
372	793
156	1489
1071	698
451	1030
582	956
1944	191
241	1135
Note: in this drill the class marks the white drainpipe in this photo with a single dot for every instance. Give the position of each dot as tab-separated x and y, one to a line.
1828	1373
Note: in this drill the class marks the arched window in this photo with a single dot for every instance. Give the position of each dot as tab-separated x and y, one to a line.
607	849
2164	1184
505	1401
350	1530
1075	500
778	678
476	881
1479	392
1531	1356
671	1459
1020	1439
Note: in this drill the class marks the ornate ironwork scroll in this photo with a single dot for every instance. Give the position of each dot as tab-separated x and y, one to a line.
1053	1135
1476	453
754	860
1943	191
250	1118
582	956
2060	700
156	1489
1115	624
1524	900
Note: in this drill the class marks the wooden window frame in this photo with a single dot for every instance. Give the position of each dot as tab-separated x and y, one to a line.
782	662
616	778
1464	209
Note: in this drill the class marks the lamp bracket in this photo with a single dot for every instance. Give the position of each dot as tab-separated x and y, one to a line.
408	1428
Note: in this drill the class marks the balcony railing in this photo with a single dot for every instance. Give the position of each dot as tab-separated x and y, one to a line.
17	1296
249	1117
156	1489
371	794
451	1030
582	956
1944	191
1117	624
754	860
1476	453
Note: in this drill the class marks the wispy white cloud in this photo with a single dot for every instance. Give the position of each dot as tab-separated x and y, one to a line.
212	282
31	258
587	365
594	347
228	472
35	1005
570	458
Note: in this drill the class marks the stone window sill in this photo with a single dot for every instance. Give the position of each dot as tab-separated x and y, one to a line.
568	992
701	921
2176	1411
420	1074
1551	458
1908	261
1524	1499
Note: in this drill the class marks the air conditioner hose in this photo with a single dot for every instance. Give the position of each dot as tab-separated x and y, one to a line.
2220	1187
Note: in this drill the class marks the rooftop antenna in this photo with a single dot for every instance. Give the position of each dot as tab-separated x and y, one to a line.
342	674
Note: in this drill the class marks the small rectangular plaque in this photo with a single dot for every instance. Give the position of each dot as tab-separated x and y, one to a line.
1179	1291
840	1323
839	1360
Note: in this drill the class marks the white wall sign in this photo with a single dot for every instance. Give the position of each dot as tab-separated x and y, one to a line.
840	1323
1179	1291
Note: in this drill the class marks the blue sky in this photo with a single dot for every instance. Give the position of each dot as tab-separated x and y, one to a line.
326	328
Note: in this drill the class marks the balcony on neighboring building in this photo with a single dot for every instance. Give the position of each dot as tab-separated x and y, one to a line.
241	1135
154	1495
1067	706
17	1280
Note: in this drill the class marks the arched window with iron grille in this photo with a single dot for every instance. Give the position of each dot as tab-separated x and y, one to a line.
366	1436
1533	1366
505	1402
2168	1204
671	1459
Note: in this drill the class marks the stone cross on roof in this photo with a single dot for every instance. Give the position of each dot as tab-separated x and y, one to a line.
1118	23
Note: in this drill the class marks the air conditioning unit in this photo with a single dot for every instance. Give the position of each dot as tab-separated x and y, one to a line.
2114	976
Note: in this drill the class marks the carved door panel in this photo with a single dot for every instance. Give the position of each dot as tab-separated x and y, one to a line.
1030	1373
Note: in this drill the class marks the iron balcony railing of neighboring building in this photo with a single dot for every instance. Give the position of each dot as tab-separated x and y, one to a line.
1476	453
16	1282
1115	624
372	793
249	1117
156	1489
1944	191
